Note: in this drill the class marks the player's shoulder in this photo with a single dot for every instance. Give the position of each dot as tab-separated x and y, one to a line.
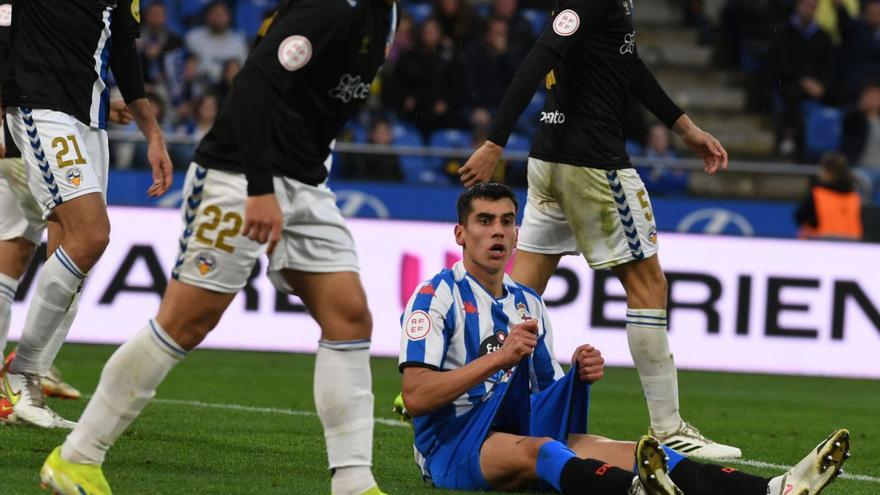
335	10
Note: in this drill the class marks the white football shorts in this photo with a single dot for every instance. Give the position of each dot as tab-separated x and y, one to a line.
20	214
64	158
215	256
605	215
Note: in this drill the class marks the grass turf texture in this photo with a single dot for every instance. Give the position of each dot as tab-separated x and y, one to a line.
179	447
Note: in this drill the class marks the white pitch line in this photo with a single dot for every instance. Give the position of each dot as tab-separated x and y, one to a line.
400	424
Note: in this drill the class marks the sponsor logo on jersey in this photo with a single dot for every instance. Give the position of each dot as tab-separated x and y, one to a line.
74	177
205	263
566	23
629	43
350	88
294	52
418	325
554	117
492	343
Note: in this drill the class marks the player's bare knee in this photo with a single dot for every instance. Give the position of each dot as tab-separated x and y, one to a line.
533	447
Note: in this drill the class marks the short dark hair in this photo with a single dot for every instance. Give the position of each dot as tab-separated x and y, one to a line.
492	191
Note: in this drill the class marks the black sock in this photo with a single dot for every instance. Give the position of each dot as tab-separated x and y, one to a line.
695	478
581	476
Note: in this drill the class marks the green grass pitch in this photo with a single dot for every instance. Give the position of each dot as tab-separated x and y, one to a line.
240	422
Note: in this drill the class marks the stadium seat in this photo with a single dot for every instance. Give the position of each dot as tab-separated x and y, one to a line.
537	18
448	138
416	168
249	15
418	12
633	148
823	127
189	12
354	132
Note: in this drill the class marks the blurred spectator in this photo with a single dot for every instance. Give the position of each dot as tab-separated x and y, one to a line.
385	167
486	69
422	79
695	17
156	42
860	49
458	21
833	207
206	111
828	16
661	177
746	28
861	134
519	30
230	70
404	40
185	88
802	70
215	42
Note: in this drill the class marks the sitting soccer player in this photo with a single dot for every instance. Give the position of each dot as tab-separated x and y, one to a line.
492	409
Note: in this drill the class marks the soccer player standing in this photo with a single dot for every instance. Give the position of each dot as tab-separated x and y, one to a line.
493	410
57	101
257	185
583	194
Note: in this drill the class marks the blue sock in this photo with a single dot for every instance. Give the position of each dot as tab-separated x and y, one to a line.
674	457
552	457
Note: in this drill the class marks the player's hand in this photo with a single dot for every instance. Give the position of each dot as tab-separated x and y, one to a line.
160	162
589	362
520	342
703	144
262	220
119	112
481	165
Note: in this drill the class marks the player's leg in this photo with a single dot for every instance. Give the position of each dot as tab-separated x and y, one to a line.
611	216
534	269
544	236
342	380
132	374
316	260
17	244
512	462
69	185
208	273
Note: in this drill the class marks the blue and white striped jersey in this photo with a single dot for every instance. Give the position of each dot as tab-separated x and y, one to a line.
452	320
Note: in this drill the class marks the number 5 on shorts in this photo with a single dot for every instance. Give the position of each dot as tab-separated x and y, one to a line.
231	218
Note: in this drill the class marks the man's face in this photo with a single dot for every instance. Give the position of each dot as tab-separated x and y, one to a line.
806	9
489	235
218	18
155	16
872	15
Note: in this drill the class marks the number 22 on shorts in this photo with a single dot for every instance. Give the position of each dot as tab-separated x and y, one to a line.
230	219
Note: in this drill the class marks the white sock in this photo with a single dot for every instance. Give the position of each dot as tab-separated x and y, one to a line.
8	286
127	385
775	485
344	400
56	286
54	345
649	346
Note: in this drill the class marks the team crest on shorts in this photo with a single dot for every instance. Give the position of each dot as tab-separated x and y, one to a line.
74	177
653	237
205	262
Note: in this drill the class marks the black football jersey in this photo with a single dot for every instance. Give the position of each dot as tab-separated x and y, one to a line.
12	151
306	77
59	58
587	93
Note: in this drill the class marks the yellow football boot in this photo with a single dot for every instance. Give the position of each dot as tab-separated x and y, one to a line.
67	478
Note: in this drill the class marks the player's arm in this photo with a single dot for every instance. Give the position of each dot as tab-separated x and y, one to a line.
126	66
645	87
426	390
481	165
547	52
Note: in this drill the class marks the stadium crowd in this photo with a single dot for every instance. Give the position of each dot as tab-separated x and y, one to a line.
815	62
